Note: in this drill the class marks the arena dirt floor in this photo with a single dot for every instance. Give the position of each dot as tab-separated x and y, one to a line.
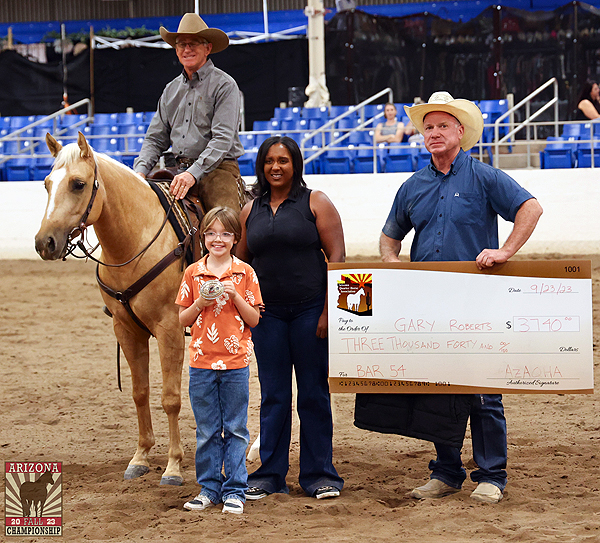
60	402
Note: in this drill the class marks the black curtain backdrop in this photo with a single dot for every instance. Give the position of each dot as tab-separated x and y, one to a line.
31	88
499	52
135	77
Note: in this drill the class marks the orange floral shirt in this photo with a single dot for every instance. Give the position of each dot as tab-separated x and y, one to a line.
221	340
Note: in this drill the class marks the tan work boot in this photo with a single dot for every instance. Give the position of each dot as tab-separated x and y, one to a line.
433	489
487	493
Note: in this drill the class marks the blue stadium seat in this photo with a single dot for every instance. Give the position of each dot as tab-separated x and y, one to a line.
423	158
313	124
363	160
68	120
105	118
373	109
42	168
18	169
315	113
360	137
347	123
106	145
248	140
125	129
247	162
557	154
259	126
286	113
491	110
335	161
101	129
148	115
47	122
127	118
336	111
20	121
287	124
572	130
314	166
399	158
584	155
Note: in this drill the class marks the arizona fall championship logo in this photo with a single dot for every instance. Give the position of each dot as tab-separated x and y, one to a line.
33	498
356	293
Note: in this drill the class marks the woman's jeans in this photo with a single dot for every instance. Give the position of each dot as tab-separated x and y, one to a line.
219	401
488	436
285	338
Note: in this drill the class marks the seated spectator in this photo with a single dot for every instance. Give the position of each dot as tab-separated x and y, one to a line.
588	105
392	130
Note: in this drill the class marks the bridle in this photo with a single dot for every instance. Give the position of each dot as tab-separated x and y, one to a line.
80	231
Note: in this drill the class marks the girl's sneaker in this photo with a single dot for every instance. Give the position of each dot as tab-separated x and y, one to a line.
326	492
233	505
199	503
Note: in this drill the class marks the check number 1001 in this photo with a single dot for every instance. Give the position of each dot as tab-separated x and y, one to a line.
544	324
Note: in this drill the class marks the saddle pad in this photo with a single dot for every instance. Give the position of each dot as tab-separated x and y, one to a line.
178	217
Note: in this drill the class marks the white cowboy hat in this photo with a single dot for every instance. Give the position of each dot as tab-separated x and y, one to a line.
192	25
467	113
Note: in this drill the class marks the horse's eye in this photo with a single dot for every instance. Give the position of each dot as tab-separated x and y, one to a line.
78	184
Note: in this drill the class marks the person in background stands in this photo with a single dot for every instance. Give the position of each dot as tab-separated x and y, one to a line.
588	105
392	130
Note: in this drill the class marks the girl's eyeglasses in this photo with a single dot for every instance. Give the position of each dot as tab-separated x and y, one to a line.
224	236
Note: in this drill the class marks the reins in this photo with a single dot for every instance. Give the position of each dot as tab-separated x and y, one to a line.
80	231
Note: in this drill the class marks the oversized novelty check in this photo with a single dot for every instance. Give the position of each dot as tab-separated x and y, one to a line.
440	327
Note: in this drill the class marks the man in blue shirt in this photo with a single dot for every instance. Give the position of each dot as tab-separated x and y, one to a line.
453	205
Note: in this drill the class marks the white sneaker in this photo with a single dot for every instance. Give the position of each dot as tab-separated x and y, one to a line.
433	489
487	493
233	505
199	503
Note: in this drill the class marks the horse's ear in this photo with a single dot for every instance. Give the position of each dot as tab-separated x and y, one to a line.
86	151
53	145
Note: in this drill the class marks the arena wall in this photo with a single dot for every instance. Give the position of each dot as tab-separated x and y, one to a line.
570	223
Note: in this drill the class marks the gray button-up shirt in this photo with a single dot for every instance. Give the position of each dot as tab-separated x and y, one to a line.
198	118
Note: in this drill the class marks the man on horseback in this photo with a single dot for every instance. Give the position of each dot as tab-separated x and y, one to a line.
198	116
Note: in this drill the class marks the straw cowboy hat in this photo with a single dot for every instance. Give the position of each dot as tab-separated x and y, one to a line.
467	113
192	25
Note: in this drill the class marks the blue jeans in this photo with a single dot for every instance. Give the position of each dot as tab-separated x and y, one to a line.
220	404
284	338
488	436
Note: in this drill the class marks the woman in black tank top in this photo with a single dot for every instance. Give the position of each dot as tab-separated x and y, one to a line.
287	232
588	104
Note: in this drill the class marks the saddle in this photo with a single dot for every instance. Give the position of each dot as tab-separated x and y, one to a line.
189	211
191	206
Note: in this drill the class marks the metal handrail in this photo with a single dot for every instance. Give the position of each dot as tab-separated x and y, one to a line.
328	126
56	130
528	118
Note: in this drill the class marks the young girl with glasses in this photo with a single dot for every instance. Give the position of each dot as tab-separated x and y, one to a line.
219	299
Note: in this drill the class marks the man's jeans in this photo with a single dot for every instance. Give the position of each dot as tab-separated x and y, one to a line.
488	436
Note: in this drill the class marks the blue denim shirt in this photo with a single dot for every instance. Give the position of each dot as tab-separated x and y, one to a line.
455	215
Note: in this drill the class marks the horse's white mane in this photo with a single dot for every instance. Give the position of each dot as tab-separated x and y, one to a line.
68	154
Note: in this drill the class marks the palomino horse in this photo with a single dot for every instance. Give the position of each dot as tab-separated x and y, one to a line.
34	494
126	215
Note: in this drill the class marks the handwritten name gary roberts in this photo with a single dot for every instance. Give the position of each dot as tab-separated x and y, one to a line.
411	325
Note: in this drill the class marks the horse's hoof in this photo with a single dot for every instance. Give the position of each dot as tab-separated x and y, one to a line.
134	471
173	480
